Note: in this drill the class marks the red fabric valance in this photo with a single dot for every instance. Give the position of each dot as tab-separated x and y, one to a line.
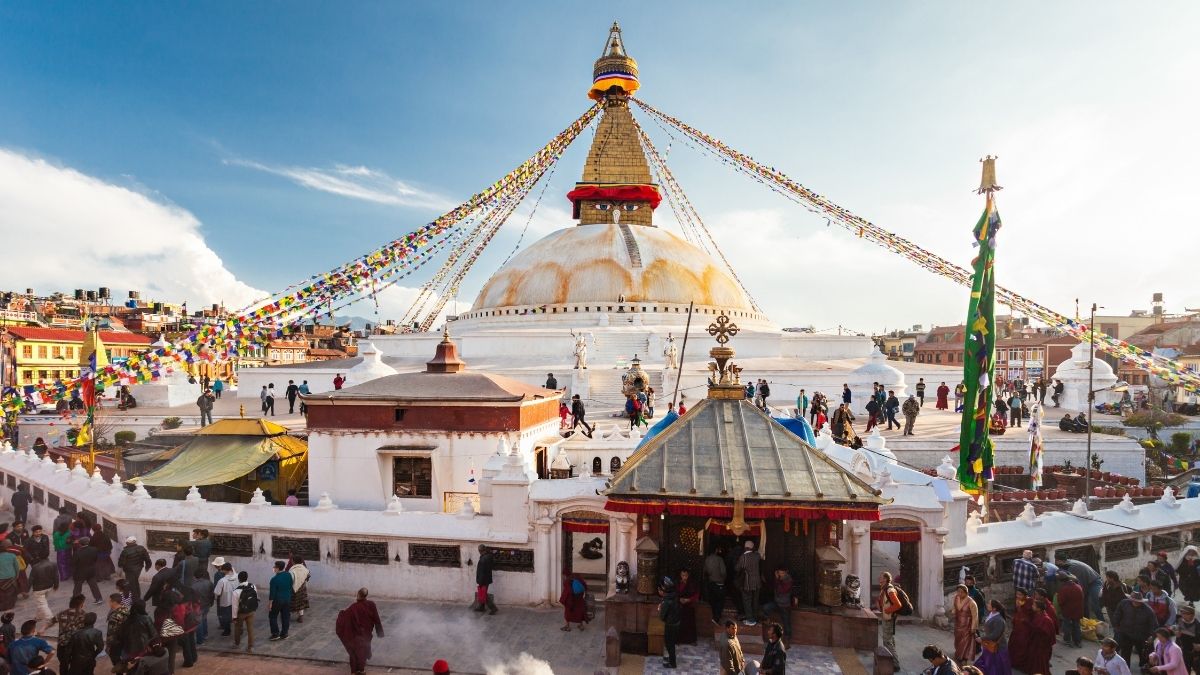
759	512
903	536
626	193
590	527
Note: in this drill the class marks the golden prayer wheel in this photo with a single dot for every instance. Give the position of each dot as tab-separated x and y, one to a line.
829	577
647	568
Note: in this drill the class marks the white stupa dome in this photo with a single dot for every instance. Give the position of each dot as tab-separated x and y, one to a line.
372	366
602	262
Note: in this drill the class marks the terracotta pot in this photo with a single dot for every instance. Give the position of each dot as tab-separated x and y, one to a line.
1158	490
1110	491
1062	494
1097	492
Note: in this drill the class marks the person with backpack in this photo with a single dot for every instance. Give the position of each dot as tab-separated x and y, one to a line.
890	607
245	603
573	601
354	627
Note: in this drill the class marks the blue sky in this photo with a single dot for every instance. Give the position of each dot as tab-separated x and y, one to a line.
270	141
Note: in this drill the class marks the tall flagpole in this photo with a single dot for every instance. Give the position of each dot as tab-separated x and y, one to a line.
976	453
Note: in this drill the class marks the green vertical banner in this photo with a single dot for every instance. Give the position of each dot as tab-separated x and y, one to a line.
976	454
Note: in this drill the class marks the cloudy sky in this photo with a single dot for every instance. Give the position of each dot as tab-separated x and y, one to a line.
212	151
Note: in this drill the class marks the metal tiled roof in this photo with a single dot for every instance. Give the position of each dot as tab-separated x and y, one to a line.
729	449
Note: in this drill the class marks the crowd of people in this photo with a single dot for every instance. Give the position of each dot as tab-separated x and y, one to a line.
143	632
1054	600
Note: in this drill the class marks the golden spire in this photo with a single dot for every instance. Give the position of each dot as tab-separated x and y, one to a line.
615	70
617	187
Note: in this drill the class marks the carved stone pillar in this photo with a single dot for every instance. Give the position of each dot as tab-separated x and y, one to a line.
547	563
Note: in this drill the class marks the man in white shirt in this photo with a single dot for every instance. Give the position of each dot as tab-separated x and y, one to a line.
1108	661
223	592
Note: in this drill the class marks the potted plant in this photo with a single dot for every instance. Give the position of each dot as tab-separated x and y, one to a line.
1070	479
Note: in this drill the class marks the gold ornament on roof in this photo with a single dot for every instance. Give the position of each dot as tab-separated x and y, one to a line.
722	329
725	381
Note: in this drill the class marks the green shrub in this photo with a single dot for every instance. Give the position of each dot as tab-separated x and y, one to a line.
1109	431
171	423
1181	442
125	437
1153	419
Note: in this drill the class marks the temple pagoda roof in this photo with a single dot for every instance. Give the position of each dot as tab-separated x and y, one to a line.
727	450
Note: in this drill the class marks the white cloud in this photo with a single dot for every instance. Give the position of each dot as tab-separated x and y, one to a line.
63	229
354	182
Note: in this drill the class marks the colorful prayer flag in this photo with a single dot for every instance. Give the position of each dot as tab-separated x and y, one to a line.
976	454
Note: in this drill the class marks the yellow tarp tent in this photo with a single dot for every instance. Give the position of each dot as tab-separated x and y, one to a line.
226	451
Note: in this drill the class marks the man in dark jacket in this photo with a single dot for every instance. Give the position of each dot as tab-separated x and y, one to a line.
133	560
83	568
483	579
86	645
291	392
891	406
1133	624
163	576
38	546
20	503
670	613
774	661
43	578
580	415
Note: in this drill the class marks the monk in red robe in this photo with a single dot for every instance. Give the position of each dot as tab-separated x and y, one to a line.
353	628
1042	636
1022	624
574	604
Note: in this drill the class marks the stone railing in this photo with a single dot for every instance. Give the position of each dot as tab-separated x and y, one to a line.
397	554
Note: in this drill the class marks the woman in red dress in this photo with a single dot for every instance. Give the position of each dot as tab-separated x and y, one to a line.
1041	640
574	604
688	592
1018	642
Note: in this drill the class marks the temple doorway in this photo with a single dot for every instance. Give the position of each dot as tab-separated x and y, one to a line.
585	545
896	548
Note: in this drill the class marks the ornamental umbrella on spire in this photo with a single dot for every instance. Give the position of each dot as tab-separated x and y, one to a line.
976	454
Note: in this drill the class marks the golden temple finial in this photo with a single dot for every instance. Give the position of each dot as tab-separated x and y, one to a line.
725	380
722	329
615	72
987	182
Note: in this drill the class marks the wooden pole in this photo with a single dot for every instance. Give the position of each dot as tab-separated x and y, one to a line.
682	352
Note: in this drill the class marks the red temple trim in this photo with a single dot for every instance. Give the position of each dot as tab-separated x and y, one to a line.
625	193
589	527
903	536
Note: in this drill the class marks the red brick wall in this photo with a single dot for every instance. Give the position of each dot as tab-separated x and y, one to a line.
431	418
